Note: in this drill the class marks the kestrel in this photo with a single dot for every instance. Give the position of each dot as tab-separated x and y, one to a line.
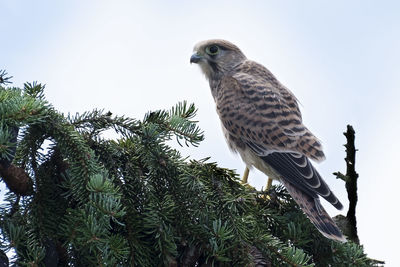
261	120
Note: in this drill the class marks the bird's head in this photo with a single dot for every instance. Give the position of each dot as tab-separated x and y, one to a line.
216	57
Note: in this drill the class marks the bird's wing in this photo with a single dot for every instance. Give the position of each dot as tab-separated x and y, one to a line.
299	172
255	106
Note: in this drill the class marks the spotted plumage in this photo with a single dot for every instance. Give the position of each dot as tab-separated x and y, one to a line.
261	120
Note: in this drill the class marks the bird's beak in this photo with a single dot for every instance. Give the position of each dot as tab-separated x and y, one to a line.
195	58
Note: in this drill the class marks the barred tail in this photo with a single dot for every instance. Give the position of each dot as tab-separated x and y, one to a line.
315	212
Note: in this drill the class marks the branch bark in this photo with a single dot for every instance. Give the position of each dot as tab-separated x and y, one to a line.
351	183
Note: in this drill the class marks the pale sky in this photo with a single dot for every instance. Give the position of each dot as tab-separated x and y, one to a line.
340	58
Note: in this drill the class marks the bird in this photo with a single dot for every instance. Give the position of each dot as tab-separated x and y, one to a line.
261	121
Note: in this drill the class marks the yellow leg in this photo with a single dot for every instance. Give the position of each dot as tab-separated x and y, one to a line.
269	183
245	176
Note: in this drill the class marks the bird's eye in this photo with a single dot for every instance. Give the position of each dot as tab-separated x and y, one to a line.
212	50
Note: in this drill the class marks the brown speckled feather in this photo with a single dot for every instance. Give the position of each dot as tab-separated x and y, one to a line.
253	104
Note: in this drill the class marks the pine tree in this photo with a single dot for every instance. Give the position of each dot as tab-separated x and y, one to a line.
76	198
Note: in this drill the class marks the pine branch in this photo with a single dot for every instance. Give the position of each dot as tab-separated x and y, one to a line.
177	121
97	121
16	179
134	201
35	90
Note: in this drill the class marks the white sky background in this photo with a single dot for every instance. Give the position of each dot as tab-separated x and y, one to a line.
341	60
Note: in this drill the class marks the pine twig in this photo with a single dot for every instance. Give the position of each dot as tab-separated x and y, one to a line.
4	79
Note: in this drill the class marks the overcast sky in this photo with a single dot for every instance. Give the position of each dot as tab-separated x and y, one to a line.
340	58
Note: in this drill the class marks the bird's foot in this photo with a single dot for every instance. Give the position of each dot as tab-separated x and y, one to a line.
245	176
269	184
265	194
